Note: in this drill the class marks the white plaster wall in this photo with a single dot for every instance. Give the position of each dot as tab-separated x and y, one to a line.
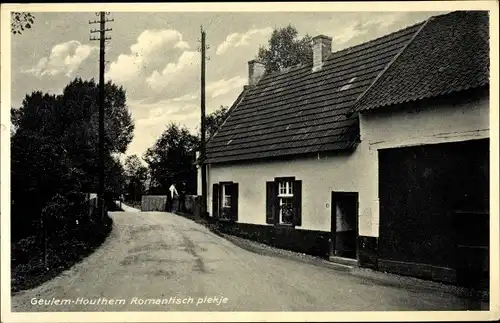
357	172
319	178
435	124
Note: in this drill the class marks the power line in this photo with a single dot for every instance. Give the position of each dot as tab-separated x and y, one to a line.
102	63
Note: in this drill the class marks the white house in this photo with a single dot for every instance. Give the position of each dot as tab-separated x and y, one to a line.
374	155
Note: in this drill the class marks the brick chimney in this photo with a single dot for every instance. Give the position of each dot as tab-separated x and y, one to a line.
256	70
322	47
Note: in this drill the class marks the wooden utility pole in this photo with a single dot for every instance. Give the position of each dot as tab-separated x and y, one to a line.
102	43
202	144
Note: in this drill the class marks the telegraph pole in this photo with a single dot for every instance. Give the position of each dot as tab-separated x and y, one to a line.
202	144
102	43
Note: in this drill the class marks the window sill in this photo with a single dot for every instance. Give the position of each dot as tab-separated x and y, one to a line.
284	225
225	220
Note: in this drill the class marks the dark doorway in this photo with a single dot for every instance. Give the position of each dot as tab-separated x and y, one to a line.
344	224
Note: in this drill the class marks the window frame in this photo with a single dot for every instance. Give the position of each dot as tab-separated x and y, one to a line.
288	196
227	213
224	188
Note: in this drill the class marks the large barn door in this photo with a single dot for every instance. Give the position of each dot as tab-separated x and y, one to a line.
420	189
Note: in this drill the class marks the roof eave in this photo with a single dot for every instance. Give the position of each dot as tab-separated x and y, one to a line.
352	147
233	106
441	96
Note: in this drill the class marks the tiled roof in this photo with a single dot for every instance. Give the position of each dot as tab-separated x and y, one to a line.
298	111
449	54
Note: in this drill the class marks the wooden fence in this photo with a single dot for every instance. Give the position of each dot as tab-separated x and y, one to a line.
188	205
152	203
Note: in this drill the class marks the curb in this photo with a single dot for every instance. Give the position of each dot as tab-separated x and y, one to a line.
249	246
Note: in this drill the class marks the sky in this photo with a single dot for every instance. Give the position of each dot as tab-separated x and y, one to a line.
155	56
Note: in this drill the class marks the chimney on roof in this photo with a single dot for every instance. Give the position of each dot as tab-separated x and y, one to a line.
256	70
322	47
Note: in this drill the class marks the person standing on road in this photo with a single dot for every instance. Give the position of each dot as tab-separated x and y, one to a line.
173	193
182	198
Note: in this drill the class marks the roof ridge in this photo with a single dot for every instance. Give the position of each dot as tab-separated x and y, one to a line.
378	38
452	13
355	104
330	55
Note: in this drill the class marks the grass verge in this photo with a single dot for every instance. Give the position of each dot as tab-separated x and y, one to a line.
28	268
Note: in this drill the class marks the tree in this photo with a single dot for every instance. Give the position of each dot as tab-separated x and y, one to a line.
285	49
214	120
79	116
79	102
54	145
40	170
115	179
20	21
132	165
171	159
137	175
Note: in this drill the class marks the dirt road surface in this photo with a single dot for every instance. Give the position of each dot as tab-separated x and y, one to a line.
162	262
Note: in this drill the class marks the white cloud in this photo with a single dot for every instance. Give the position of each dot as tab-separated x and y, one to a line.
151	119
187	97
243	39
387	19
182	45
149	45
186	65
350	32
151	40
125	68
64	58
224	86
368	24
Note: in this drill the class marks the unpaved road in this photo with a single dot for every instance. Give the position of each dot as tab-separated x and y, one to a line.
160	257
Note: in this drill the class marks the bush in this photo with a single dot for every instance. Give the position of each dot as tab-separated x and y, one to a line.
25	249
72	233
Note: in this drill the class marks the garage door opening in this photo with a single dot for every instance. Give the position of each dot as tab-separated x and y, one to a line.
434	210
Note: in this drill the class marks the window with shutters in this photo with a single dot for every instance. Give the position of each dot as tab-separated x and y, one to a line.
226	195
283	205
285	198
225	201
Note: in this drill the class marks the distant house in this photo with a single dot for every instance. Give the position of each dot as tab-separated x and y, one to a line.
375	155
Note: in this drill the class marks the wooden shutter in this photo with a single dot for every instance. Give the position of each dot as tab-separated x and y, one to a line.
270	203
215	200
234	202
297	203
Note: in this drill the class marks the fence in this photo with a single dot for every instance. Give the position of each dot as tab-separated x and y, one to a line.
92	201
151	203
109	204
188	205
